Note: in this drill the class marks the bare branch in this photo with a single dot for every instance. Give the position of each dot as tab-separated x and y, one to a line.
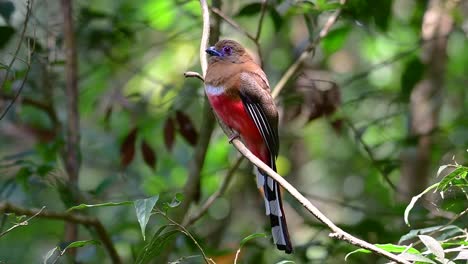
68	217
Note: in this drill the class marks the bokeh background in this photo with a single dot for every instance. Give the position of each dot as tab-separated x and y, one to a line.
378	105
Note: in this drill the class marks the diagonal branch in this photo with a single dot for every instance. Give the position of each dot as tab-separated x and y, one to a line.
204	208
309	50
337	232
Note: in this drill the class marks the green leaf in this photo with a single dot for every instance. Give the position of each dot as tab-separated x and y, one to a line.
58	252
456	177
381	12
414	200
276	18
387	247
6	10
250	9
155	246
143	209
81	243
84	206
335	40
178	198
416	232
6	32
250	237
412	74
285	262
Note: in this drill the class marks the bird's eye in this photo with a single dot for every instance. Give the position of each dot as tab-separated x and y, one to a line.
227	50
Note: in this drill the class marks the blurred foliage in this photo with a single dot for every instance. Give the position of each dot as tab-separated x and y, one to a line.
344	123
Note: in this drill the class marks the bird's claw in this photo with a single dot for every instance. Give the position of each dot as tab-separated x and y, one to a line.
233	136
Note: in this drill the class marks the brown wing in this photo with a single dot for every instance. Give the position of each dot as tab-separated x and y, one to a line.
256	97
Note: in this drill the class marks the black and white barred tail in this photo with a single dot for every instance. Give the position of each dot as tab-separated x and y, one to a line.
274	209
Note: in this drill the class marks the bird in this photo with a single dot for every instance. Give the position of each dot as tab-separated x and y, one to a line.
239	93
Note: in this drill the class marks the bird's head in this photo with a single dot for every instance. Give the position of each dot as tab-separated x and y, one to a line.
227	50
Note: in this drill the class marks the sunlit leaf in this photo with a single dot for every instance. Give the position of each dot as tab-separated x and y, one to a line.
84	206
81	243
387	247
143	209
462	255
49	254
433	246
414	200
250	237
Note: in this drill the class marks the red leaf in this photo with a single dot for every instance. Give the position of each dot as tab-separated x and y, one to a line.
149	156
186	128
169	133
127	149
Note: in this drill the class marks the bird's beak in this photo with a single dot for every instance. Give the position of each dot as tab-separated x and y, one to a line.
213	52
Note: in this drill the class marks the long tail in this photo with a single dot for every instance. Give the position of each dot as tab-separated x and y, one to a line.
274	208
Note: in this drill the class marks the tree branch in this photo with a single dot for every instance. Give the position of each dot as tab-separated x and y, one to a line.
204	208
337	232
71	154
310	49
15	56
68	217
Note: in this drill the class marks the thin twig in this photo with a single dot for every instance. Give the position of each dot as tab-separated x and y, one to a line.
24	223
260	21
68	217
204	208
310	49
236	26
15	56
232	23
371	155
188	234
191	74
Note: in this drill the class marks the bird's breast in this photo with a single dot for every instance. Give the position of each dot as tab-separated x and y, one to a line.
232	112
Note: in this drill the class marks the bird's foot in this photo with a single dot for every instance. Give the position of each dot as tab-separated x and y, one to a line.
233	136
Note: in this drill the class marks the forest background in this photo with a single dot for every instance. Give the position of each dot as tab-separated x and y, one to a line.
108	154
